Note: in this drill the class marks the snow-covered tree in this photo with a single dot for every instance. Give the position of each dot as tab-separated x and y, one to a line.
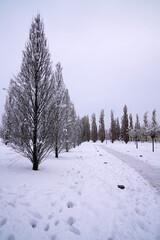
118	129
112	130
94	134
144	128
58	106
7	120
131	130
71	126
124	127
153	129
85	128
79	131
30	92
101	131
137	130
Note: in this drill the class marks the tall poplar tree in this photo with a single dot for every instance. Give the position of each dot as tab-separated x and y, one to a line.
94	135
124	128
59	109
131	131
118	130
112	130
137	130
101	132
85	129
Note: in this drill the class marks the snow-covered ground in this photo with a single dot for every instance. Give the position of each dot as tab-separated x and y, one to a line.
75	197
143	153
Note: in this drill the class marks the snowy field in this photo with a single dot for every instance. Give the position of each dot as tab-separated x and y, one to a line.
76	197
143	153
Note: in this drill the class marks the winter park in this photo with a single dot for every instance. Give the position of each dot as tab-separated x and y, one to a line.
80	120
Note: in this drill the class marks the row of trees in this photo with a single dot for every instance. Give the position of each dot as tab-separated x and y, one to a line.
134	132
93	132
39	116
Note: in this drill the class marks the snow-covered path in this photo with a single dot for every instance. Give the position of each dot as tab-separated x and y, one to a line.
148	172
75	197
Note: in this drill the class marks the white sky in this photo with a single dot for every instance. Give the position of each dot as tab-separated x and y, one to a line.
109	50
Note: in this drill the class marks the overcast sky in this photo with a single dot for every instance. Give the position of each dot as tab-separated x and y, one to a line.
109	50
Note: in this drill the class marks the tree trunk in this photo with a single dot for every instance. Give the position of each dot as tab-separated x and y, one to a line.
67	146
35	160
136	144
152	144
56	152
35	166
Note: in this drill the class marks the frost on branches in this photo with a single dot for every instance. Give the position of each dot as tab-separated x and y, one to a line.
153	129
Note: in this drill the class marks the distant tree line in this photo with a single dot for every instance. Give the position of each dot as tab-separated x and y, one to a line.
134	132
92	132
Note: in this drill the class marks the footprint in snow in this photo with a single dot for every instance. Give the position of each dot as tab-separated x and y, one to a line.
70	221
140	213
12	203
53	204
33	223
36	215
70	204
141	225
50	216
3	221
27	204
11	237
73	187
79	192
46	228
60	210
56	223
53	237
74	230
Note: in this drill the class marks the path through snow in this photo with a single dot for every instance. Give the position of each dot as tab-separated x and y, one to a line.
148	172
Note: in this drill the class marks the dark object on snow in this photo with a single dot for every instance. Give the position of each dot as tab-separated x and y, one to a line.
140	155
121	186
105	162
